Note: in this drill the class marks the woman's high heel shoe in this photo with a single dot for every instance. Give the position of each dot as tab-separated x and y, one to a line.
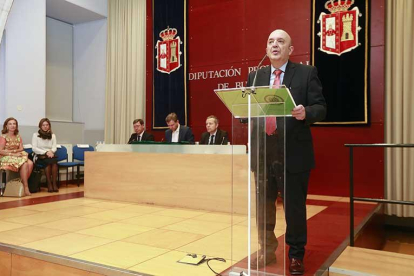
27	192
49	188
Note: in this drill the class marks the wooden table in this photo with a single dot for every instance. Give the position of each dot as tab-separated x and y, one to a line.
212	178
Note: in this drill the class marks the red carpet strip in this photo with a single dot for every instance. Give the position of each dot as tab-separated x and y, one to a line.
38	200
326	232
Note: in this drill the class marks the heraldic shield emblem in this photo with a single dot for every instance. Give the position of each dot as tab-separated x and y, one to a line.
339	30
168	51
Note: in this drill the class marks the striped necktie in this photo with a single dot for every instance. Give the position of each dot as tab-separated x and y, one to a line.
271	121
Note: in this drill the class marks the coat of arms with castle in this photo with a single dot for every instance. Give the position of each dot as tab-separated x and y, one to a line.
168	51
339	29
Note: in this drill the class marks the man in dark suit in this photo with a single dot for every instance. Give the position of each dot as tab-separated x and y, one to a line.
298	156
140	133
213	136
176	132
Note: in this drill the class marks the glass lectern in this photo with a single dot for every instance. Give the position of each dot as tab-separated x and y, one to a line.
258	178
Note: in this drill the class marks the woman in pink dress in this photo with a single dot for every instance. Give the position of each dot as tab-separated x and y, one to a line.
12	155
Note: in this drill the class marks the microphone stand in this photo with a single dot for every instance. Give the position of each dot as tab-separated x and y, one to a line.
253	88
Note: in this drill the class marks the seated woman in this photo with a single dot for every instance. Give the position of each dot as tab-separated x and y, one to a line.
12	155
44	147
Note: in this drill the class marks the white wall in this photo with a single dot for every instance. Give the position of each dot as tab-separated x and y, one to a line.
25	70
89	52
66	133
2	79
59	70
97	6
25	79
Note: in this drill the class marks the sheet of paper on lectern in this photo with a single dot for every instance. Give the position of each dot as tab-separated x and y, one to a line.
264	101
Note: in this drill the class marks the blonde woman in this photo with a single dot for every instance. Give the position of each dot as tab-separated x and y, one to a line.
12	155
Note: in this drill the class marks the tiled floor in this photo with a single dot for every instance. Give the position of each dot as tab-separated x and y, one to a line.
144	238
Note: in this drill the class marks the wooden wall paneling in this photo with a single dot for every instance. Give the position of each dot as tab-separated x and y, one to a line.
5	263
25	266
215	33
292	16
196	181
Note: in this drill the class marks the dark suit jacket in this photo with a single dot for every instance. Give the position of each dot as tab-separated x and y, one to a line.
145	137
220	139
185	135
306	89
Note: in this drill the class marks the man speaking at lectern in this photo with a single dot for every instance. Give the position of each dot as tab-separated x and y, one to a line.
306	89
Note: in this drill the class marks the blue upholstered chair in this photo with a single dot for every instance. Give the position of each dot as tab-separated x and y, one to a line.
29	151
62	158
79	153
79	156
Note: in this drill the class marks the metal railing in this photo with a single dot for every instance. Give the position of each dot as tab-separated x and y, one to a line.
351	183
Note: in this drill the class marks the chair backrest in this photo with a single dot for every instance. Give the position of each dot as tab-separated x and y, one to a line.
79	153
62	153
29	153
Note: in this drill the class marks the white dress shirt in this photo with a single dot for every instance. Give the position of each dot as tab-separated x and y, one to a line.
175	135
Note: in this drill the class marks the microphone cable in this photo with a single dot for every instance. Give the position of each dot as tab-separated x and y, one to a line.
214	259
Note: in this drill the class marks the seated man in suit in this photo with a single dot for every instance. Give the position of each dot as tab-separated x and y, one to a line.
176	132
213	136
140	133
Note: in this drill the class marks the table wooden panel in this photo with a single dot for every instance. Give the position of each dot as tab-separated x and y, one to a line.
197	181
5	263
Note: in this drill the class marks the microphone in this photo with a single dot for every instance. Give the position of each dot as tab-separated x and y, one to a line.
252	88
255	75
222	140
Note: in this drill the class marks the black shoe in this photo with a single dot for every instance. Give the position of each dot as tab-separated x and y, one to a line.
296	267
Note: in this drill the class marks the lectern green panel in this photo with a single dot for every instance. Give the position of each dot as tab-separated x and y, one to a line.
265	101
